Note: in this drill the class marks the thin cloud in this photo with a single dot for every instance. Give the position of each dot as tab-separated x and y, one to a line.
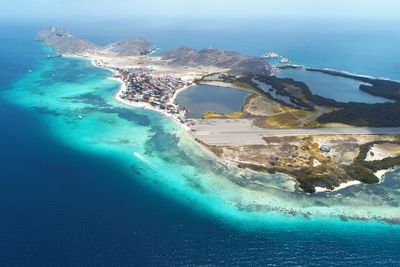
197	8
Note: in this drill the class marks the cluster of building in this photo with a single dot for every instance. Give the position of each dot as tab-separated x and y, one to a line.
142	86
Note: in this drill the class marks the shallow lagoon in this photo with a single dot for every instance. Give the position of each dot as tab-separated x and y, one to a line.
338	88
205	98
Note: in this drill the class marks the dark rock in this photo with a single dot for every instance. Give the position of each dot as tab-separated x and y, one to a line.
133	47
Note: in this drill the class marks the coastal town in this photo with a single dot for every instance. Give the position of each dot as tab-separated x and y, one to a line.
157	91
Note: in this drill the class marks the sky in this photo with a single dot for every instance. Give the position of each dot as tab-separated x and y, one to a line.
114	9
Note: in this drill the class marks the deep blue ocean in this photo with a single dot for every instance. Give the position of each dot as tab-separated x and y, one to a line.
64	206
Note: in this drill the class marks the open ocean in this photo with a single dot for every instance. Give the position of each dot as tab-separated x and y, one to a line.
73	194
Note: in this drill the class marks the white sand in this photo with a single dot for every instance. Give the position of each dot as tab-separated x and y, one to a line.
382	173
382	151
340	187
144	105
99	61
178	91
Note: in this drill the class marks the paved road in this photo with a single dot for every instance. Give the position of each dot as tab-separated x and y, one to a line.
242	132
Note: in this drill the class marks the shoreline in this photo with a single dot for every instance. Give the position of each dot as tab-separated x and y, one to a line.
340	187
142	105
382	173
186	129
178	91
379	174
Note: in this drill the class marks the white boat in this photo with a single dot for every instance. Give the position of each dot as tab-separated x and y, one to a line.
53	56
142	159
80	116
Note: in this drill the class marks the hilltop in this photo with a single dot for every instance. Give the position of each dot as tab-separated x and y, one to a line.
64	42
132	47
235	62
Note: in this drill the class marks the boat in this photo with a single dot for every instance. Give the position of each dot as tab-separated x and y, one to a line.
80	116
29	70
142	159
53	56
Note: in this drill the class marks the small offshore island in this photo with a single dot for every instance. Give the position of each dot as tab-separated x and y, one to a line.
282	126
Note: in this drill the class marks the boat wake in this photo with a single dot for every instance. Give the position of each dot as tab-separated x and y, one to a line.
142	159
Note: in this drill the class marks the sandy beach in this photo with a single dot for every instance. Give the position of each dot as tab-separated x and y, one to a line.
340	187
96	62
143	105
187	77
178	91
382	173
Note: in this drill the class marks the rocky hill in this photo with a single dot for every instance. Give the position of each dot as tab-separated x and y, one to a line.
237	63
66	43
133	47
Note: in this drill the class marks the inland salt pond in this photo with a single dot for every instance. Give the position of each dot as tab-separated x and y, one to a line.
200	99
338	88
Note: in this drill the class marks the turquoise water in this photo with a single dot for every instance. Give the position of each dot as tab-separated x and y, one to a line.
200	99
75	102
86	180
334	87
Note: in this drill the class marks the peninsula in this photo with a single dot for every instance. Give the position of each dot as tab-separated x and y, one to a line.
281	127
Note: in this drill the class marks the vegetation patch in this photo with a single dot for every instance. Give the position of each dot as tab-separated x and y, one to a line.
360	114
214	115
303	159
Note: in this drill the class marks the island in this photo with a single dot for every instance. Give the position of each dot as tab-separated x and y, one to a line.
281	127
